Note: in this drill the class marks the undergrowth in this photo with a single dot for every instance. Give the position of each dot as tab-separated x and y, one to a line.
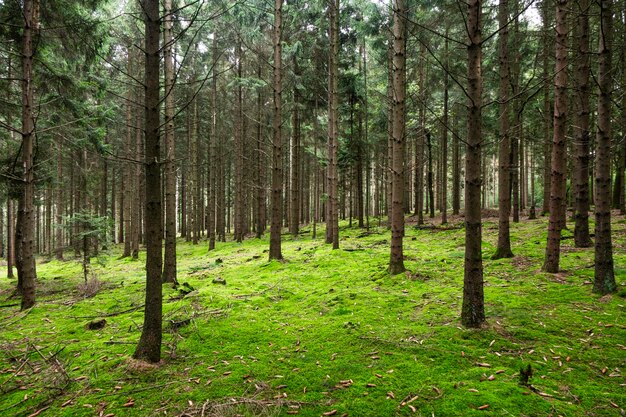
325	331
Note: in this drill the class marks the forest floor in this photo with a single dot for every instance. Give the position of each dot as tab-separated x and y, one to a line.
324	332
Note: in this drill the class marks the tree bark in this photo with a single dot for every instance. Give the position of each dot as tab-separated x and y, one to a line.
277	146
503	249
149	346
604	275
294	218
581	128
396	262
444	137
473	310
169	265
557	180
26	270
547	112
332	222
239	148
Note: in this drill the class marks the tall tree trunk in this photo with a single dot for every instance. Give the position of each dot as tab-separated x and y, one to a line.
444	138
456	169
473	310
239	148
332	222
581	128
277	146
149	346
396	262
604	275
261	162
197	184
503	249
136	197
169	265
516	138
60	205
547	112
294	218
212	166
10	237
557	180
128	174
26	271
430	175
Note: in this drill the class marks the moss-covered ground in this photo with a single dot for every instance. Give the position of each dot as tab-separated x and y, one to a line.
324	333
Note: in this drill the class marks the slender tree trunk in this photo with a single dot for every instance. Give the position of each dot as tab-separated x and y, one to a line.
239	149
60	205
547	112
26	271
332	222
277	146
149	346
136	197
456	170
169	265
261	162
473	310
128	171
430	177
212	166
581	128
396	262
294	218
557	181
197	189
10	238
503	249
604	275
444	139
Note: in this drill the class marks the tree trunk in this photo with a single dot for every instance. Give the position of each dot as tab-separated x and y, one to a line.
473	310
212	166
456	168
503	249
261	162
294	218
169	265
547	112
239	148
444	138
581	128
277	146
26	270
10	238
332	222
557	180
396	262
149	346
431	189
604	275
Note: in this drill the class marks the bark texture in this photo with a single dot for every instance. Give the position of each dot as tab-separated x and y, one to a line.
604	275
503	249
396	262
149	346
277	146
558	166
473	310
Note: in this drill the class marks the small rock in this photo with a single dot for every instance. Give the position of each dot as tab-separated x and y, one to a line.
219	280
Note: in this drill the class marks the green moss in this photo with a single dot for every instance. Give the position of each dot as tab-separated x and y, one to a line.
286	334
